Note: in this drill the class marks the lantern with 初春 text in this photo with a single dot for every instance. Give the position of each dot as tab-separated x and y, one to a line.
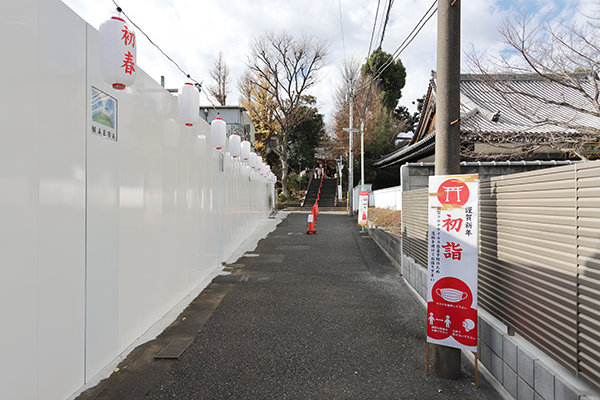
117	53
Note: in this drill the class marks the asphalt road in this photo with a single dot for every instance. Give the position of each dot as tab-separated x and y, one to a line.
323	316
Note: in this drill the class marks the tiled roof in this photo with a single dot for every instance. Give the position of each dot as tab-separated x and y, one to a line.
517	104
524	103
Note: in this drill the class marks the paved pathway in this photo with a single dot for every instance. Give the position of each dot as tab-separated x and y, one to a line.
307	317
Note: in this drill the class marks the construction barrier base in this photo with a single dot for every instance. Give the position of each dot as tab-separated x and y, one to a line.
310	232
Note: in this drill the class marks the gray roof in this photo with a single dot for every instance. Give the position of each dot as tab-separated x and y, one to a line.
526	103
521	103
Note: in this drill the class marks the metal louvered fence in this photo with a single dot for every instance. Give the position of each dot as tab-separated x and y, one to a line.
539	258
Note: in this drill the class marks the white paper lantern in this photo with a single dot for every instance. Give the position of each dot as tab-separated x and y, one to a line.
200	145
234	145
189	104
245	150
117	53
218	129
252	160
170	135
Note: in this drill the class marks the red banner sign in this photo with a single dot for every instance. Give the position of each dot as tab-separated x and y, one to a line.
452	265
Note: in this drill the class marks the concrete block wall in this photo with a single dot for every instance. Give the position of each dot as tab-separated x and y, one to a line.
520	370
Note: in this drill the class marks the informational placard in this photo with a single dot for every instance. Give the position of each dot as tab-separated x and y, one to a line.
363	207
104	115
453	258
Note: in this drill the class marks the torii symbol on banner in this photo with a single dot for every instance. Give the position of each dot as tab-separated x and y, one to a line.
453	193
455	189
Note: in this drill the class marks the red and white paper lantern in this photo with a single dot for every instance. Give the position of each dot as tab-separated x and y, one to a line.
234	145
245	150
218	129
189	104
200	145
252	160
117	53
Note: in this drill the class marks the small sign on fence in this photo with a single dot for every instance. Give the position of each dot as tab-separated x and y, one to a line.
103	120
452	265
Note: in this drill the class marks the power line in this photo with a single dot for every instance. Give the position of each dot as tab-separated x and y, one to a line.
342	28
411	36
384	26
374	26
120	10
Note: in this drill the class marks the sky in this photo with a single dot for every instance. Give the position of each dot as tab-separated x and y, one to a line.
193	32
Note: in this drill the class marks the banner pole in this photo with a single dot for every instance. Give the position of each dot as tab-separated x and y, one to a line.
428	360
476	371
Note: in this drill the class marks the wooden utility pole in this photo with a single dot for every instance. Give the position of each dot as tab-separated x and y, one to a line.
446	360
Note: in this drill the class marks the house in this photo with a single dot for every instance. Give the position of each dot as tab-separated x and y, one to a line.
514	118
236	117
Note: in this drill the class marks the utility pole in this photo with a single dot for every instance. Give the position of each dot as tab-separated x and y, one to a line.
362	161
446	360
350	131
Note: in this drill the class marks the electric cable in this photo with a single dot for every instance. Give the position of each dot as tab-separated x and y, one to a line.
374	26
405	43
342	28
384	26
120	10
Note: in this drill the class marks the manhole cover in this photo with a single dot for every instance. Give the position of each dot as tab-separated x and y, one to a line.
174	349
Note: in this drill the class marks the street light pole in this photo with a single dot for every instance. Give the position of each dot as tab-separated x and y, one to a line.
350	131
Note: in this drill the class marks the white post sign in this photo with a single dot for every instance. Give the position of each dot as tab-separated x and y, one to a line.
452	265
363	207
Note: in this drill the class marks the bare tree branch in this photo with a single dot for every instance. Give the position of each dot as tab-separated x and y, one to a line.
566	56
286	67
220	74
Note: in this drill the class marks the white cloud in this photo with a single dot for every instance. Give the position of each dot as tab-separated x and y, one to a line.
193	33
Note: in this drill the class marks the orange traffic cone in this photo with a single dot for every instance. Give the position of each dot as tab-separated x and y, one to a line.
311	225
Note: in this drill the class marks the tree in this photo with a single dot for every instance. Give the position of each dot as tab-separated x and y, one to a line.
261	110
220	74
286	67
381	128
306	136
568	56
354	88
389	74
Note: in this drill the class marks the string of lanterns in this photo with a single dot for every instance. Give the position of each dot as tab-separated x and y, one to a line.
118	64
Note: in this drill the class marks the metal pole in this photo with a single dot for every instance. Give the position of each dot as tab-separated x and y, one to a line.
351	160
446	360
362	155
362	160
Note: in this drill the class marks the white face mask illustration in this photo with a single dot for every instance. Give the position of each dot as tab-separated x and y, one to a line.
452	295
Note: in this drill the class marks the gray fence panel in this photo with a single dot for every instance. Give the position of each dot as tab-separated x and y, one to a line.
414	224
588	263
539	260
